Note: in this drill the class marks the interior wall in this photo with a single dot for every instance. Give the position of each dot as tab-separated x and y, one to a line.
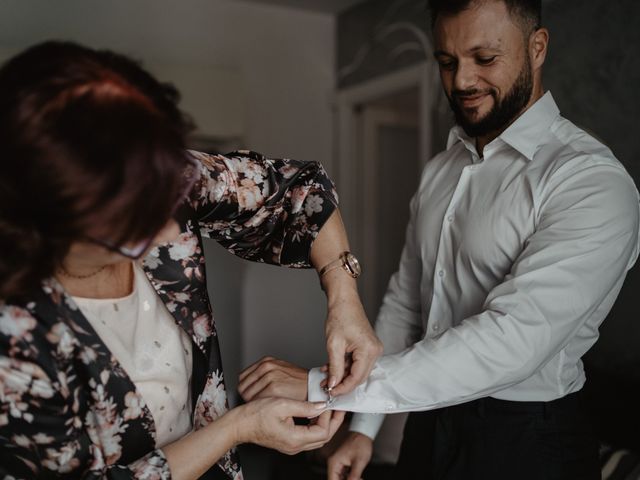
286	58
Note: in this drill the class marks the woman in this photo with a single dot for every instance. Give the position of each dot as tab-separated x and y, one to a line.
109	361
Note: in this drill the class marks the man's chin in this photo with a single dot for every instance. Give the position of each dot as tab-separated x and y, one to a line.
472	125
474	116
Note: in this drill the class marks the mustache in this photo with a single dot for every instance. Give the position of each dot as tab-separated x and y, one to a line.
457	94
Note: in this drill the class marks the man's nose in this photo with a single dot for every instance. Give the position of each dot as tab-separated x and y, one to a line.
465	77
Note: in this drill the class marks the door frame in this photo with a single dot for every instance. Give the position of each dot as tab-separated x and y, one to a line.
373	118
348	171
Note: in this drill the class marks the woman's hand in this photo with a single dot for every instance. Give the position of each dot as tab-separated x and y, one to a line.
352	345
269	422
350	459
349	333
270	377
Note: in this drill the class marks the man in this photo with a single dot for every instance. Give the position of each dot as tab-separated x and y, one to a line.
520	237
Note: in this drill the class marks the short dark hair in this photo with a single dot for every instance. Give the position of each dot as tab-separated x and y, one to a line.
528	12
88	140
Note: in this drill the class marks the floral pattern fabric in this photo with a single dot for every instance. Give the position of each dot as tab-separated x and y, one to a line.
67	407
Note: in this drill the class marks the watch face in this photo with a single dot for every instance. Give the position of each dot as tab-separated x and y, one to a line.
353	265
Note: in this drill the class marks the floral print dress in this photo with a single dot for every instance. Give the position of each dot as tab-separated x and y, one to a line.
68	408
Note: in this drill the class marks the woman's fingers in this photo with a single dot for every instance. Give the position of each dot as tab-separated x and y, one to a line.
280	432
300	409
318	432
336	351
354	377
337	418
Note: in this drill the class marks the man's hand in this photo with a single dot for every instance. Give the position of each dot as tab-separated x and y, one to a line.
350	459
350	338
270	377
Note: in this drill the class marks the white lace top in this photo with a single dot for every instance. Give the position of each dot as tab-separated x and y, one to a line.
153	350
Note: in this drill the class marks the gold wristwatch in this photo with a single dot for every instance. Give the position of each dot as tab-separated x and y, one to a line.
347	261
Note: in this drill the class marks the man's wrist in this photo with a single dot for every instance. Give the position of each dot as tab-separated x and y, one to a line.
367	424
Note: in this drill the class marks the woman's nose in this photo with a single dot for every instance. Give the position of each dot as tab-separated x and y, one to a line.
169	233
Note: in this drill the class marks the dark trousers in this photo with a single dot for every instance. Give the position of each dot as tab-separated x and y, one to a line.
491	439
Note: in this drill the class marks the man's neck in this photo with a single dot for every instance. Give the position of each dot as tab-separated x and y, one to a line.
484	140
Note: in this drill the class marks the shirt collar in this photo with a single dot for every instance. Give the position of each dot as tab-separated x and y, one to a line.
525	134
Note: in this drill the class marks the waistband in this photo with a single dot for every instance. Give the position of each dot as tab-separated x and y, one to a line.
570	402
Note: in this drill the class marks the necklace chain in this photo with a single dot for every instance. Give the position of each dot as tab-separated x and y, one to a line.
64	272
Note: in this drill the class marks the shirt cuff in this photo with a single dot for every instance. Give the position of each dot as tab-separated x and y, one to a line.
367	424
315	393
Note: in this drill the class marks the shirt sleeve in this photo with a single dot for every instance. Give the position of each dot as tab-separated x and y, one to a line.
262	209
39	438
570	270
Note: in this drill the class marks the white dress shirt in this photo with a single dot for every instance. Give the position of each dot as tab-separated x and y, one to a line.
153	350
511	262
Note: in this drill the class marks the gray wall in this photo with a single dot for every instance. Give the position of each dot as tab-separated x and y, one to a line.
592	69
380	36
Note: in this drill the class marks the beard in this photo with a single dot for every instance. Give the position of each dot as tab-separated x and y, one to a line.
503	112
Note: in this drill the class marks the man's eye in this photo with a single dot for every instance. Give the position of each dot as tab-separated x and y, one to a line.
485	60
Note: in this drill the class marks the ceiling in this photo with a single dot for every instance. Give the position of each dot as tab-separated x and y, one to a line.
324	6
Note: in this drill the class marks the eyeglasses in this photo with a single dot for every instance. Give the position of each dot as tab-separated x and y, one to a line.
135	251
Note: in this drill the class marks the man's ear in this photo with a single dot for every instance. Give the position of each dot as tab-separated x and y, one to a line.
538	43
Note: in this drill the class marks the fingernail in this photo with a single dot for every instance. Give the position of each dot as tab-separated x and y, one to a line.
320	405
332	382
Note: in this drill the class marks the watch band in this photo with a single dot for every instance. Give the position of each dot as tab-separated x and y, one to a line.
332	265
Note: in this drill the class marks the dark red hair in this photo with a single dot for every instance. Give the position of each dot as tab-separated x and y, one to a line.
90	143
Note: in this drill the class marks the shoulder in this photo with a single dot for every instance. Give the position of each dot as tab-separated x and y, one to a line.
573	161
243	163
17	325
578	172
234	156
571	148
25	336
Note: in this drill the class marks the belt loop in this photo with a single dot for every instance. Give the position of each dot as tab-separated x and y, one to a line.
546	410
481	407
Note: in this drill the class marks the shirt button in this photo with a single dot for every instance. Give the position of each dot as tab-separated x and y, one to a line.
450	218
441	273
436	327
